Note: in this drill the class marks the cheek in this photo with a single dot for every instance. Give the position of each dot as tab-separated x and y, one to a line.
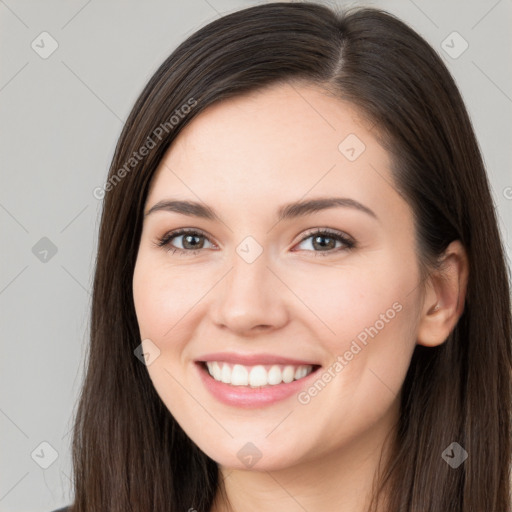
164	296
345	301
368	320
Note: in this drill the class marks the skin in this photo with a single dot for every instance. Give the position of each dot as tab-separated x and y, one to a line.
245	157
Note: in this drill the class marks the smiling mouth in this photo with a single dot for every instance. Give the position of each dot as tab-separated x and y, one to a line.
256	376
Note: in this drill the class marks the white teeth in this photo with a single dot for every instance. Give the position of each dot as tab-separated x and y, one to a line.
288	374
300	372
215	370
239	375
226	374
256	376
274	375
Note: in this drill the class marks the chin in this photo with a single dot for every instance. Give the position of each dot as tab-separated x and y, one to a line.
258	454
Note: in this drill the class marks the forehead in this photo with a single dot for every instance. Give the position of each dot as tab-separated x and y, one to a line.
284	140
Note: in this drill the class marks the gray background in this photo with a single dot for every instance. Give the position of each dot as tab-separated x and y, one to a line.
60	118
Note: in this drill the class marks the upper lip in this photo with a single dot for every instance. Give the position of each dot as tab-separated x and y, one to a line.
253	359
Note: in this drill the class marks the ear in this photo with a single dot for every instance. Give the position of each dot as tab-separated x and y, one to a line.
444	297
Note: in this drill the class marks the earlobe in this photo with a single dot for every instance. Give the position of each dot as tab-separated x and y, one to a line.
444	298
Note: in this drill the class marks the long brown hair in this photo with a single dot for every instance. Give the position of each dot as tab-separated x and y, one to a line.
129	454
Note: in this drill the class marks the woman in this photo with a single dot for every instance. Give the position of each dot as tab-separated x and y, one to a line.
232	366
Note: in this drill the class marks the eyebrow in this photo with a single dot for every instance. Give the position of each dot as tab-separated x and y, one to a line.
285	212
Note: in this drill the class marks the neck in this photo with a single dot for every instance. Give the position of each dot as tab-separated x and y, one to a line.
339	480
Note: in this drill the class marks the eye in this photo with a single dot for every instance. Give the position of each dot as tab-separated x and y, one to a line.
326	240
191	241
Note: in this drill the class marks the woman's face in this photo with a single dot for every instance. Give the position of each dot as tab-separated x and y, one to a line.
266	292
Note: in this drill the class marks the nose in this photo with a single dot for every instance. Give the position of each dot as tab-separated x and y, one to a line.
250	298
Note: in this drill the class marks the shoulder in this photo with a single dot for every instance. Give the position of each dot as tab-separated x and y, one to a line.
64	509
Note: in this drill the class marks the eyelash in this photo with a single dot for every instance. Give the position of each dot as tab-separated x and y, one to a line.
336	235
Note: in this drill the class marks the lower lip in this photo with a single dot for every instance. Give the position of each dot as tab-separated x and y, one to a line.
247	397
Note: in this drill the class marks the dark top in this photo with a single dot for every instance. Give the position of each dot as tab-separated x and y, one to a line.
65	509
